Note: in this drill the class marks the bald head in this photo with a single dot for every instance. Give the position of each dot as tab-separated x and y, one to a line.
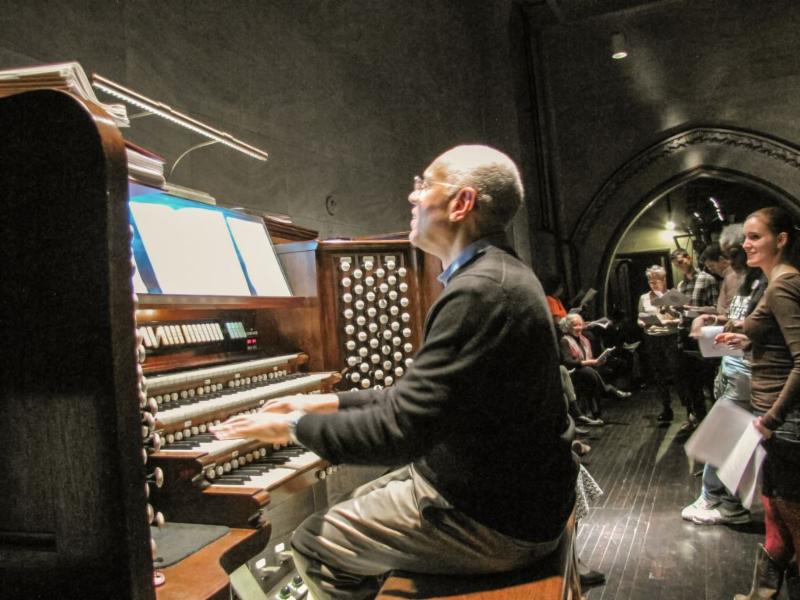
495	178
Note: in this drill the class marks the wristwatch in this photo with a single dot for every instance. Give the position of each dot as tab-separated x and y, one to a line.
293	418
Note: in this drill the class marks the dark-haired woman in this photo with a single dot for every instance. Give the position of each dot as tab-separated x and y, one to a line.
772	333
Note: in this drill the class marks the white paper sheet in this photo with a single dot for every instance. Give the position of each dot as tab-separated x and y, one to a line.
739	472
259	258
707	346
726	439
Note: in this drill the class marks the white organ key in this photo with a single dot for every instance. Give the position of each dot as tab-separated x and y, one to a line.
236	399
159	382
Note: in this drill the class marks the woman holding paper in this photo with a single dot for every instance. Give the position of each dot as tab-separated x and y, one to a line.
772	334
577	356
716	505
660	326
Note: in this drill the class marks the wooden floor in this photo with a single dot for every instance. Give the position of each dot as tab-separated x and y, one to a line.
635	534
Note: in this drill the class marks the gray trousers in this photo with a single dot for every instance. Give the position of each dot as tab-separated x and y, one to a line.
399	522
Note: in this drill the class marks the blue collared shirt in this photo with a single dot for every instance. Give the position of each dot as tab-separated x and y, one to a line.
466	256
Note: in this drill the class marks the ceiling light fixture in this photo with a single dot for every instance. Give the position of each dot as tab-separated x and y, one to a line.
619	49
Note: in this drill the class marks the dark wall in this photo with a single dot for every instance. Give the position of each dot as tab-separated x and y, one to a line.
350	98
724	63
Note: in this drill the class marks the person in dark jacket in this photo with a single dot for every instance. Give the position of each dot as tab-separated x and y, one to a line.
477	426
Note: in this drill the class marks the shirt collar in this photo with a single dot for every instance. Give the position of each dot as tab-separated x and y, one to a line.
467	255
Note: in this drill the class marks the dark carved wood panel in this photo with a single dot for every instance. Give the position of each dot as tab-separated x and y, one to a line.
72	511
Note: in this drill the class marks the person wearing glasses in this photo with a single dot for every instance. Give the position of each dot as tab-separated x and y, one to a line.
477	427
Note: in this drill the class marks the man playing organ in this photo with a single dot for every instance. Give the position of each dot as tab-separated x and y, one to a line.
477	426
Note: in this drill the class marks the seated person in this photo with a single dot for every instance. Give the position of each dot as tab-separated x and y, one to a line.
485	377
553	288
577	356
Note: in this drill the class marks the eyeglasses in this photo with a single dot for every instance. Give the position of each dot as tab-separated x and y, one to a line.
423	185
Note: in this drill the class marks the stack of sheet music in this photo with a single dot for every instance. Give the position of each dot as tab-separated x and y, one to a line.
145	166
68	76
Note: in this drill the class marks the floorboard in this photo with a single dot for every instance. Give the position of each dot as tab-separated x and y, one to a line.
635	534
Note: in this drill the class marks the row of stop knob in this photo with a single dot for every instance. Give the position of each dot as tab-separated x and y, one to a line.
148	409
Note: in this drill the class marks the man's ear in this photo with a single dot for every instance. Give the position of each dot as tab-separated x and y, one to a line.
462	204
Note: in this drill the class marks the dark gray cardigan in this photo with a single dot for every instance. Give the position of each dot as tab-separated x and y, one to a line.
480	412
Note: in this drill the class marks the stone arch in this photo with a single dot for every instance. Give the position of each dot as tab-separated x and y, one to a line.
759	160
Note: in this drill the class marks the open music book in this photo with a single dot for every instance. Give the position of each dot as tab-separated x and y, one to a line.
605	354
672	298
602	322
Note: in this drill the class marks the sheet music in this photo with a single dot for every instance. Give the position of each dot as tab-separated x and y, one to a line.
259	257
727	440
190	250
707	346
740	471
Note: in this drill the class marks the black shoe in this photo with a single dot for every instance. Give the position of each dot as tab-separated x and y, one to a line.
589	577
581	431
665	416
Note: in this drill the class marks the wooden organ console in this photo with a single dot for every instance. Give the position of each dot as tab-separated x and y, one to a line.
109	394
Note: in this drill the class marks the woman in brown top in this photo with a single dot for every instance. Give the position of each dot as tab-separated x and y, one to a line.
772	334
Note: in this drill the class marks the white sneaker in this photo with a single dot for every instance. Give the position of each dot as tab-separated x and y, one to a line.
705	512
699	506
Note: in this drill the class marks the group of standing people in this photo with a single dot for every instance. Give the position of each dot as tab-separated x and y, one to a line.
759	307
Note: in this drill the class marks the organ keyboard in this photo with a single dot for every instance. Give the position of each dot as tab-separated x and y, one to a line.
226	482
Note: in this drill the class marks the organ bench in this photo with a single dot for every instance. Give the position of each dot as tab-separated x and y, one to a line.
555	578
